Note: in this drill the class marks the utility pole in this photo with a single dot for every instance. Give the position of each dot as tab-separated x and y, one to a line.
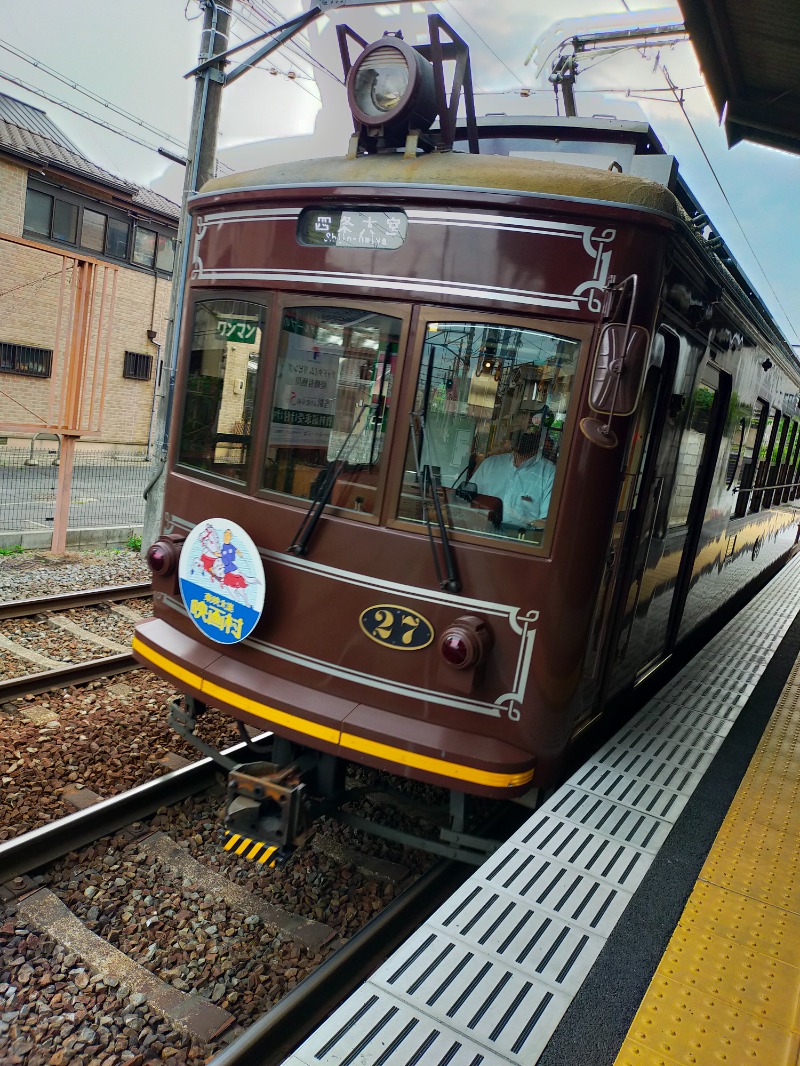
200	165
211	79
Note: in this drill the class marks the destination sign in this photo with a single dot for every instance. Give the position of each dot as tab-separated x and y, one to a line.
346	228
232	329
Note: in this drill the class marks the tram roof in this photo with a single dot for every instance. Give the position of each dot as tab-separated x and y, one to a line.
455	169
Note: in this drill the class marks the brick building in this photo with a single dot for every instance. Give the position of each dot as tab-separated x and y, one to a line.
86	262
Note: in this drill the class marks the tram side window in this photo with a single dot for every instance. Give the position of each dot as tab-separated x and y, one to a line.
691	454
744	475
220	388
330	406
793	473
766	448
489	413
775	462
787	462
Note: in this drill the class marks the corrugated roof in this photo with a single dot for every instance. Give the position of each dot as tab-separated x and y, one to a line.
750	56
34	119
40	149
27	132
154	201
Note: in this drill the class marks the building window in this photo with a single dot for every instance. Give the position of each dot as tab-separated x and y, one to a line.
165	253
30	362
138	366
38	213
69	218
144	247
117	238
93	230
65	222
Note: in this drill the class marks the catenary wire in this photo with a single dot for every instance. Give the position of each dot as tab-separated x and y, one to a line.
485	43
684	112
76	111
295	44
287	74
89	93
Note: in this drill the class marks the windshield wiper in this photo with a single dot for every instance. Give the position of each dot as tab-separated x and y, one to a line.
312	516
425	474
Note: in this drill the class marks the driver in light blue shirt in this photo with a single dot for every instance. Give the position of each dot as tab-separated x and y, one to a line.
522	479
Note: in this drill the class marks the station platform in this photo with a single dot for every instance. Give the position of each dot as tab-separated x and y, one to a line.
647	913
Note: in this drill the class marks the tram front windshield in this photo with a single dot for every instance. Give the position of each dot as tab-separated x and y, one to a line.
487	428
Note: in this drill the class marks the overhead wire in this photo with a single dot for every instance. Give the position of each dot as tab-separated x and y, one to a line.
275	64
275	19
53	73
681	104
485	43
76	111
110	127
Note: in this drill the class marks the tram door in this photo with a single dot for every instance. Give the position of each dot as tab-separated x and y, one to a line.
683	446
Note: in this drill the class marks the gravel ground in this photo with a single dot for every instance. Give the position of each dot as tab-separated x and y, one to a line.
50	641
108	736
55	1012
55	635
31	574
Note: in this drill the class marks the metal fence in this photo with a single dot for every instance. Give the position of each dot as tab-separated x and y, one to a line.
107	488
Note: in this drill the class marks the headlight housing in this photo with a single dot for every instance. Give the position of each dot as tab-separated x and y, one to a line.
391	87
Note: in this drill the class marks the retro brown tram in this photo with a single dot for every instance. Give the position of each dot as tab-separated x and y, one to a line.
499	432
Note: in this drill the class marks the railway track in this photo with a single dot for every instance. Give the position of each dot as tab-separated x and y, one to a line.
65	601
87	896
139	911
58	619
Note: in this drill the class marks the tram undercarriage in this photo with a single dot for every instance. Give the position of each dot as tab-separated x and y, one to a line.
277	789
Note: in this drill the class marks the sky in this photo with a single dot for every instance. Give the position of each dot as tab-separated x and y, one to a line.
101	57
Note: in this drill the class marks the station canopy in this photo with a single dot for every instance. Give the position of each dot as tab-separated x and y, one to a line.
749	51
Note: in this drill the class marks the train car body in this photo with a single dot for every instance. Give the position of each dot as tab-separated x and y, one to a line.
360	336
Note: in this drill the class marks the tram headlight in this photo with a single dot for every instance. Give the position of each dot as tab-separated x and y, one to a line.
390	84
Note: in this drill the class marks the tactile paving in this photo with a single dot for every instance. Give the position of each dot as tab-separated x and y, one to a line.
489	976
728	986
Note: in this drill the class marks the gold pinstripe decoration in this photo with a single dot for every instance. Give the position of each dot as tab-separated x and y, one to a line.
259	852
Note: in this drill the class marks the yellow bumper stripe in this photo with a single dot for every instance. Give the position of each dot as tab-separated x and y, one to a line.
385	752
271	714
435	766
231	841
168	665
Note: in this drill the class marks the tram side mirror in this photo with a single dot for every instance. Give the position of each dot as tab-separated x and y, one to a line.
618	375
619	365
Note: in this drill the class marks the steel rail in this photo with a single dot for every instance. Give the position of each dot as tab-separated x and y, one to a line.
28	852
277	1033
63	677
67	600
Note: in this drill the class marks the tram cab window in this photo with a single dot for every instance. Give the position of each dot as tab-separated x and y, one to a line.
330	404
489	413
221	385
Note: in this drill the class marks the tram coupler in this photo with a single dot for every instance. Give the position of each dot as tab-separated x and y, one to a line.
267	803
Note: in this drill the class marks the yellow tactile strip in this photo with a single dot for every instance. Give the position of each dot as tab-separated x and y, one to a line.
727	989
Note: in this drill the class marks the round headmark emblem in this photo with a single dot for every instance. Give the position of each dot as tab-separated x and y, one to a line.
222	580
